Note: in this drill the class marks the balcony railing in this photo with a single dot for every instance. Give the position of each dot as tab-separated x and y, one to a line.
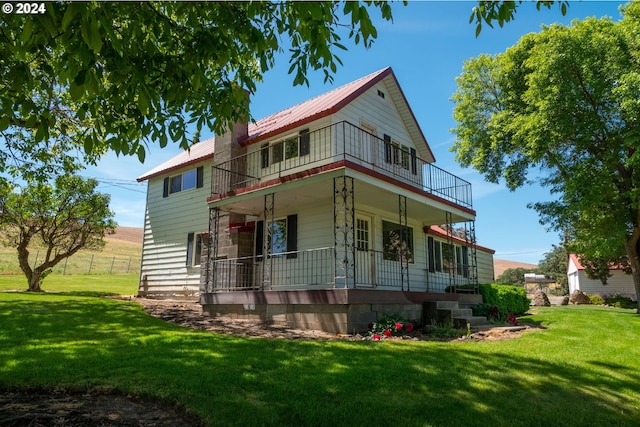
341	141
315	269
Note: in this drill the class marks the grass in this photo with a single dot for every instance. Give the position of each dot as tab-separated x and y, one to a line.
584	369
118	257
87	285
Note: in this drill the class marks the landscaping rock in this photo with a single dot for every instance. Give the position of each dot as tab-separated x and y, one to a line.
540	299
579	297
565	300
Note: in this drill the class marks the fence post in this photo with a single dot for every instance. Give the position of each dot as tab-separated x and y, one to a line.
129	265
64	269
90	264
111	268
35	263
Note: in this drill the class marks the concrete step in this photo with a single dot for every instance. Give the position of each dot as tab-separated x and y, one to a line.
446	305
474	321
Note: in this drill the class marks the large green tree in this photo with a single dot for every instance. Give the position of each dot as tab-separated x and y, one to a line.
59	218
141	72
566	103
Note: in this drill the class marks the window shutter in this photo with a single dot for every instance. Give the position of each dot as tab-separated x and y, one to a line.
165	188
292	235
432	265
265	155
414	162
259	237
189	249
387	148
305	142
200	177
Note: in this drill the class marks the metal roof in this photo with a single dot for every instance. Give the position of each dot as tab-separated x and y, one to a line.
307	112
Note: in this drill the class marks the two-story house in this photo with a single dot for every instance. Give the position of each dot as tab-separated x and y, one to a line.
323	215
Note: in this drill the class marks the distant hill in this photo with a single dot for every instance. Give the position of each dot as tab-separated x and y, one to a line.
127	234
500	265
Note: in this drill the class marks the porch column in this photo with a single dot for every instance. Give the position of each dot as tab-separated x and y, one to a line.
266	240
210	253
403	256
448	251
344	231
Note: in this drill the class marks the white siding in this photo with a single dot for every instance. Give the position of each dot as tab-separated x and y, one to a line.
168	221
619	282
485	267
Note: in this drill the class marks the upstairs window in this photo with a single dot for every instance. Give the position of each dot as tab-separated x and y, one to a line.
183	182
290	148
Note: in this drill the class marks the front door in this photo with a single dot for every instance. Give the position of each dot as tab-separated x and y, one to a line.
364	252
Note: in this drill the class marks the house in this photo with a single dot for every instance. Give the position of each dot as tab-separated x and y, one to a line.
619	282
323	215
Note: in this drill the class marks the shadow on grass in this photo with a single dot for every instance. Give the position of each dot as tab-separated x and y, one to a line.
93	343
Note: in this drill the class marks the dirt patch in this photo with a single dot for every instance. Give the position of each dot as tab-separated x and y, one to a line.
70	408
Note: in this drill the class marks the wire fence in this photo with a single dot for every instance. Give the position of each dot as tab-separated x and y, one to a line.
80	263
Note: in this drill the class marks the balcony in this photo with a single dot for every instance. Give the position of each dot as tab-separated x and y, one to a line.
341	142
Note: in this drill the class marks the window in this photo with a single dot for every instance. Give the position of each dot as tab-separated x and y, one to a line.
284	237
401	155
397	242
290	148
194	249
184	181
447	258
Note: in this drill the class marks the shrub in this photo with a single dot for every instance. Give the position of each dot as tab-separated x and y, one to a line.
510	298
620	301
495	314
596	299
388	326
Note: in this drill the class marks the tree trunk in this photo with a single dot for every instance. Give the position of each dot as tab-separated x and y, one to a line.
34	282
632	247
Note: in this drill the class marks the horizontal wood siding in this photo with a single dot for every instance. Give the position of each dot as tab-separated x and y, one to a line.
619	282
378	112
168	221
485	267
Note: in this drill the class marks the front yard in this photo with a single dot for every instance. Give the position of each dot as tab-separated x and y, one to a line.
583	369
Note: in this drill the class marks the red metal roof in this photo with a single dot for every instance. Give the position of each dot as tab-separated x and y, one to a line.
435	230
299	115
314	108
196	153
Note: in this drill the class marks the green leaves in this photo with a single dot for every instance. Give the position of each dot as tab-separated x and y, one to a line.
563	102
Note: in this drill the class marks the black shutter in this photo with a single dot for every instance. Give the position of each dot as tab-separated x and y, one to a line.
414	163
305	142
165	188
292	236
387	148
189	249
259	237
431	255
200	177
265	155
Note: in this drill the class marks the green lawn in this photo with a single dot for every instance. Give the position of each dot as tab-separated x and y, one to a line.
584	369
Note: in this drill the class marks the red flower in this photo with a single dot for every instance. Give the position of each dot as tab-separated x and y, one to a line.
387	332
408	327
398	326
376	337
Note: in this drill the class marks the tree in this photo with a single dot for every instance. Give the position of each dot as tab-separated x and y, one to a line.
141	72
564	101
62	218
514	276
554	264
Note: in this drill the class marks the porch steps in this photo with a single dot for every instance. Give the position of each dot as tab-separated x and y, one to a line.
445	312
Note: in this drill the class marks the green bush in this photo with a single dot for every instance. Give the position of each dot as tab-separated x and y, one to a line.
620	301
512	299
596	299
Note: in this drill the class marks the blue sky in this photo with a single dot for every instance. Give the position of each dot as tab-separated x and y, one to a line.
426	45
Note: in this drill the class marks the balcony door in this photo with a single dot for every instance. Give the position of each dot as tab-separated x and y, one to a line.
365	257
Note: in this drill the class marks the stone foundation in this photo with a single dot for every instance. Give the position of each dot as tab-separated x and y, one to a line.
343	311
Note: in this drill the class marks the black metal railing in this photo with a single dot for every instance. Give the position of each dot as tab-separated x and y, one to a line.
340	141
315	269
